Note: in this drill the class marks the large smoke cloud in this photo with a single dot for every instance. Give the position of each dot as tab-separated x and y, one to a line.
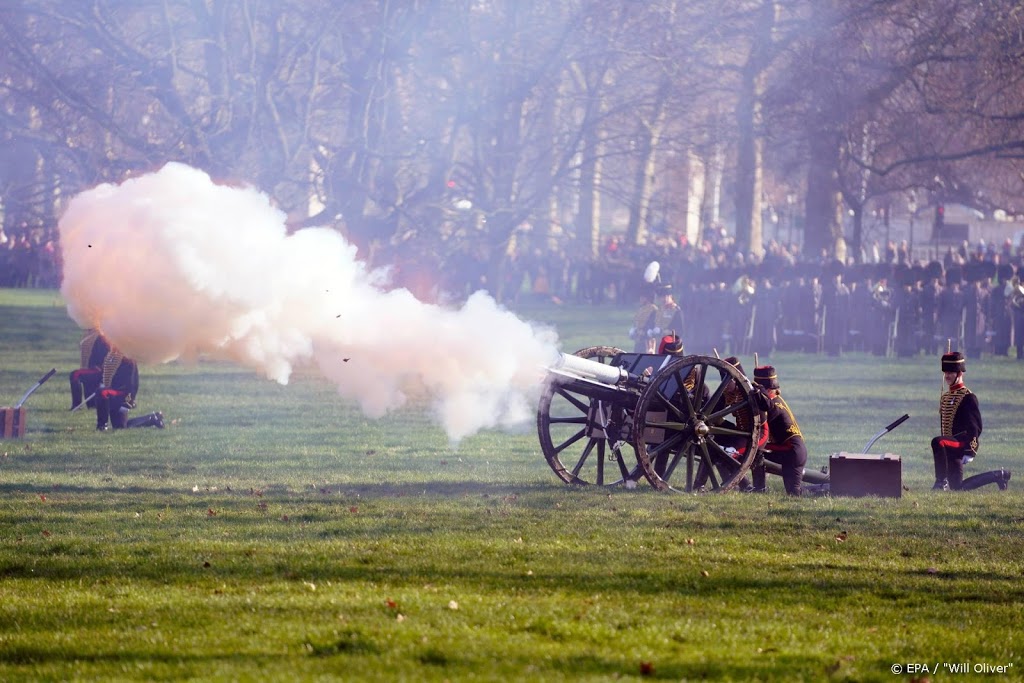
171	265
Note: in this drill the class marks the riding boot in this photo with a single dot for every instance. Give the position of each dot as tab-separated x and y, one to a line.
939	456
999	477
102	414
757	473
793	478
76	391
956	473
152	420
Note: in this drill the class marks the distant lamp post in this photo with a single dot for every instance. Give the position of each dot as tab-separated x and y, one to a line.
912	208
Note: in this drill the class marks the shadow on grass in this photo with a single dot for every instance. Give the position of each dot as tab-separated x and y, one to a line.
687	661
440	489
253	560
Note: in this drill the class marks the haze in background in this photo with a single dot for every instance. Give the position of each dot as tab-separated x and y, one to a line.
171	265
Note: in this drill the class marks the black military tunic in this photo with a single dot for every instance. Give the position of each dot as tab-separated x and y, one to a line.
93	348
960	422
785	444
120	388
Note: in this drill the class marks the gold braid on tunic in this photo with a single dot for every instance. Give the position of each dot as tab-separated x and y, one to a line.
948	405
793	429
691	380
744	416
88	341
110	365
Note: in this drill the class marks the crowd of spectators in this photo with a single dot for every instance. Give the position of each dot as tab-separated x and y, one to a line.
29	258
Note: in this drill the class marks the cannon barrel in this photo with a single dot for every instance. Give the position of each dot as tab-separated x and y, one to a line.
568	364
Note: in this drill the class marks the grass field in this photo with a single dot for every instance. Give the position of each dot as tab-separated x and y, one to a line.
273	533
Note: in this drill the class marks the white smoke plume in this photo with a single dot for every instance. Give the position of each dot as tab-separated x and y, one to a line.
172	265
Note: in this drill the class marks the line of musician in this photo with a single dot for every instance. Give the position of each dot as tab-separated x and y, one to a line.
880	309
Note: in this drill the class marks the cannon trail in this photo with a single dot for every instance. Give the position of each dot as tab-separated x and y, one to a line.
171	265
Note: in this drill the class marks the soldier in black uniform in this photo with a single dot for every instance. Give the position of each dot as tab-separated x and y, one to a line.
908	312
960	422
931	307
883	311
768	311
1015	303
86	379
785	444
118	390
950	307
975	308
999	311
835	309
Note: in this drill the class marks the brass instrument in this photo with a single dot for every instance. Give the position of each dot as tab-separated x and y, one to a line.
744	288
881	293
1015	292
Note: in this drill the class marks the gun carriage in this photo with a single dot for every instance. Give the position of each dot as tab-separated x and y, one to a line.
684	423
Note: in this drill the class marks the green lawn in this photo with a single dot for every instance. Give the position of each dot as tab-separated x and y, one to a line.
273	533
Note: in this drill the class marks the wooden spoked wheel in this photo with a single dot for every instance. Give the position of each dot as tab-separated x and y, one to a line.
697	424
586	439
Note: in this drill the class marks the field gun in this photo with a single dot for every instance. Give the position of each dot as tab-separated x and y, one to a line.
684	423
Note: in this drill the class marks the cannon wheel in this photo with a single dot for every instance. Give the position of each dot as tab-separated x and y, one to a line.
582	437
681	437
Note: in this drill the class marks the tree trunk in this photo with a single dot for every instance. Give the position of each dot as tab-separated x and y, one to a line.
748	160
649	136
588	220
823	232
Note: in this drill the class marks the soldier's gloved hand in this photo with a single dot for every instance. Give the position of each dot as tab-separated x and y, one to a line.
654	332
968	458
632	333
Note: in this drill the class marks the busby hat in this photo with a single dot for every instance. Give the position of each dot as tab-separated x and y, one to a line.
953	362
766	377
671	343
735	362
934	270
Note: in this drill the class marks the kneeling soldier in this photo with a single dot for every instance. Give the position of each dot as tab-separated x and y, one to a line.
117	394
960	422
785	441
